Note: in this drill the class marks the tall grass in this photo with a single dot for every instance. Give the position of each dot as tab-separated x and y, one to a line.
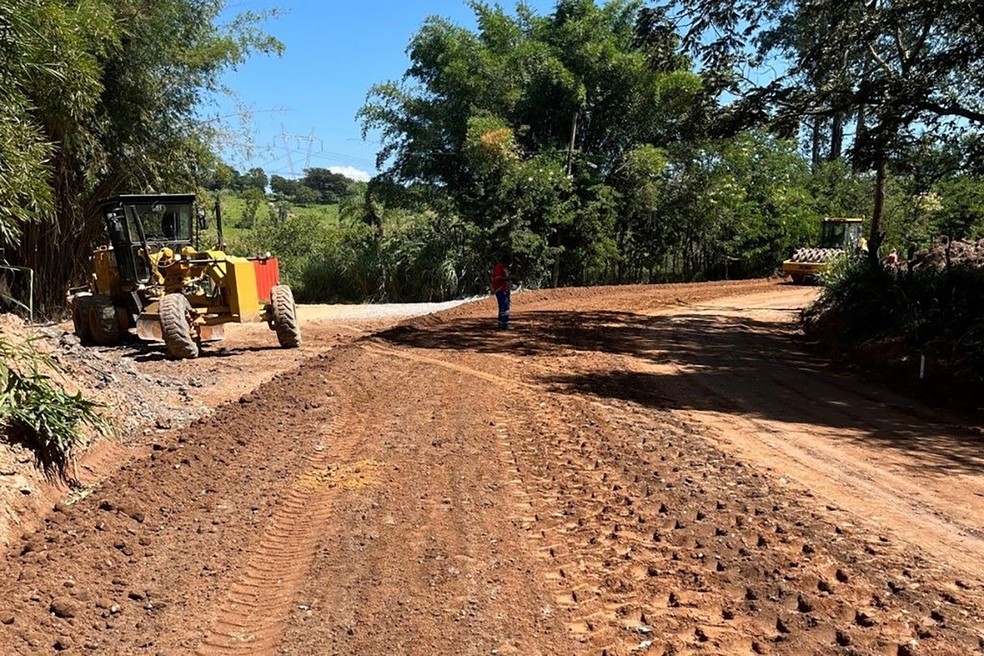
348	267
37	411
419	263
425	257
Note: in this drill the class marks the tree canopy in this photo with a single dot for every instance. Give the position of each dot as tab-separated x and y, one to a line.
523	124
622	139
601	142
101	97
904	72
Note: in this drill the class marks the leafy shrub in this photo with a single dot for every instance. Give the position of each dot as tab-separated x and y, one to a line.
293	241
855	289
40	413
431	258
941	311
347	268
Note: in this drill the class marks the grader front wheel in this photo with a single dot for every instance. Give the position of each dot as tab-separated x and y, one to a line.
176	322
285	316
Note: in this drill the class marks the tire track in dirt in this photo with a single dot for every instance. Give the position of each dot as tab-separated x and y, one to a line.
595	525
545	500
435	557
142	564
250	618
656	541
254	613
894	502
808	447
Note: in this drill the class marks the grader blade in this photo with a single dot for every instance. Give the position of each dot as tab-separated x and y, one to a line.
212	333
149	328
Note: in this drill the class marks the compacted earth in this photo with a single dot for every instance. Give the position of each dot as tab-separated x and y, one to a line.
637	470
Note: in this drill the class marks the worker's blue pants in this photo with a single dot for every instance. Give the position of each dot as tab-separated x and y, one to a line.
503	298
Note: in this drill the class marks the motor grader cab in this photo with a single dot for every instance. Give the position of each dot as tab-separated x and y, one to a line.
837	236
154	277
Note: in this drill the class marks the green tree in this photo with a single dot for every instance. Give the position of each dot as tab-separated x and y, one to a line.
252	199
101	98
222	176
644	226
294	190
960	208
281	185
329	187
304	195
255	178
516	125
50	55
904	69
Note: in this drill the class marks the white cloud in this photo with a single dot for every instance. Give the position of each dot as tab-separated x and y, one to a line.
351	173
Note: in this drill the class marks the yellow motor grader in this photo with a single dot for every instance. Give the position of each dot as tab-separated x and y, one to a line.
837	236
152	276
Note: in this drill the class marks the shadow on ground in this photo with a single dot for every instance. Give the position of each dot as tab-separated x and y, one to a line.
157	352
535	333
713	363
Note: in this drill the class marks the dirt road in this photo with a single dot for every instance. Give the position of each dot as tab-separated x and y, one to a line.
650	470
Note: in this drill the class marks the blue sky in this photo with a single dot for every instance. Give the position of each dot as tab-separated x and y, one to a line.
335	51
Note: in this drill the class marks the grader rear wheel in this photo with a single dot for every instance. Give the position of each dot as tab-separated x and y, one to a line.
285	316
176	322
104	327
80	317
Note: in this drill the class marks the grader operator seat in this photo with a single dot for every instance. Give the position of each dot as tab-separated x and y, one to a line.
141	225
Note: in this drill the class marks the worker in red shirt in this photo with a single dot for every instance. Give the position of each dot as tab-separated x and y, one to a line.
501	286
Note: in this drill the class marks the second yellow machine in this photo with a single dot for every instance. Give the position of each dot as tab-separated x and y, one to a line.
152	276
837	236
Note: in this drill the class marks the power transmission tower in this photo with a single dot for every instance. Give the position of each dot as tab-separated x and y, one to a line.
311	139
290	159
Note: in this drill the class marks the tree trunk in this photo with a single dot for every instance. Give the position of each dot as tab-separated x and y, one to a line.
859	137
816	142
876	236
836	137
75	221
570	149
620	262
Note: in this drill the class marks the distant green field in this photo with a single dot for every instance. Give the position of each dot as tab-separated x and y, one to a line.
234	209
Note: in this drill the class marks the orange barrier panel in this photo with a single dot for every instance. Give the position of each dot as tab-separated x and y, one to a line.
267	275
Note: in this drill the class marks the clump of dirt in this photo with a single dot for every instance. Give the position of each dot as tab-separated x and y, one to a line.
948	253
132	402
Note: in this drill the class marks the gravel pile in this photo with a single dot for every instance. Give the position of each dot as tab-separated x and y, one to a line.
133	400
374	311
